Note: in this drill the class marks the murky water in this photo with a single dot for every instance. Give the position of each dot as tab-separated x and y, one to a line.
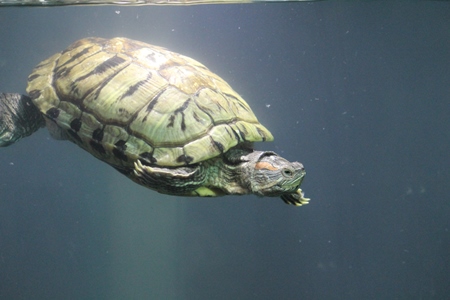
358	92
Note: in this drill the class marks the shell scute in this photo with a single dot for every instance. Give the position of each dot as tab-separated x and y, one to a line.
124	100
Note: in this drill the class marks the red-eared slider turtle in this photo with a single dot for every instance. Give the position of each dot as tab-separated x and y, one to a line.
161	118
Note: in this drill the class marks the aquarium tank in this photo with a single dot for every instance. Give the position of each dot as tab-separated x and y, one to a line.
357	91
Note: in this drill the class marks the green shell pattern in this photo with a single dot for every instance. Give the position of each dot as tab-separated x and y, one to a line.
123	100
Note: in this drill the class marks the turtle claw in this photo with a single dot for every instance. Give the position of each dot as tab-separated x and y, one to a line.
297	199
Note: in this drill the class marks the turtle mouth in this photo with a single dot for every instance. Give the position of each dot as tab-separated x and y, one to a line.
292	185
298	181
296	196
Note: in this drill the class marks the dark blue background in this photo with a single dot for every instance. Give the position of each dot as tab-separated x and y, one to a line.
358	92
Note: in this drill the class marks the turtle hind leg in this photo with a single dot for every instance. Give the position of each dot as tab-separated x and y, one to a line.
19	118
182	181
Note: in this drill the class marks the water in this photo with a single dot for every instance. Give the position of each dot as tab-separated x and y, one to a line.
358	92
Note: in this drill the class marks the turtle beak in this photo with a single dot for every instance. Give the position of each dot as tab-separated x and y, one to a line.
297	198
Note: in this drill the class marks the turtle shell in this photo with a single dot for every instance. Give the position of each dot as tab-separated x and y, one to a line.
123	100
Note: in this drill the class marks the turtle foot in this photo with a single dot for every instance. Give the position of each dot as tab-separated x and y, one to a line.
297	199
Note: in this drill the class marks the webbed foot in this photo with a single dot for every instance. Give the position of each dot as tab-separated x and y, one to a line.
297	199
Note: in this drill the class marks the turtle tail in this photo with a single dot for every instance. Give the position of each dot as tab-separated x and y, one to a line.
19	118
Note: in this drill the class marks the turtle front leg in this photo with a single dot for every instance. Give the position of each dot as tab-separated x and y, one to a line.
297	199
181	181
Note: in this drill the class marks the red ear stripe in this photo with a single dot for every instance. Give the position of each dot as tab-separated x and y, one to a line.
264	165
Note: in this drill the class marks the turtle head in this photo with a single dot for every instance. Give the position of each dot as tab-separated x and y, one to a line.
268	174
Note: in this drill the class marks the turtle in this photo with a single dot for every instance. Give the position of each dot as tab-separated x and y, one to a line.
162	119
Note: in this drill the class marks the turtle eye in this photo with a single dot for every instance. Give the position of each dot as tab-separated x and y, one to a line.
287	172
